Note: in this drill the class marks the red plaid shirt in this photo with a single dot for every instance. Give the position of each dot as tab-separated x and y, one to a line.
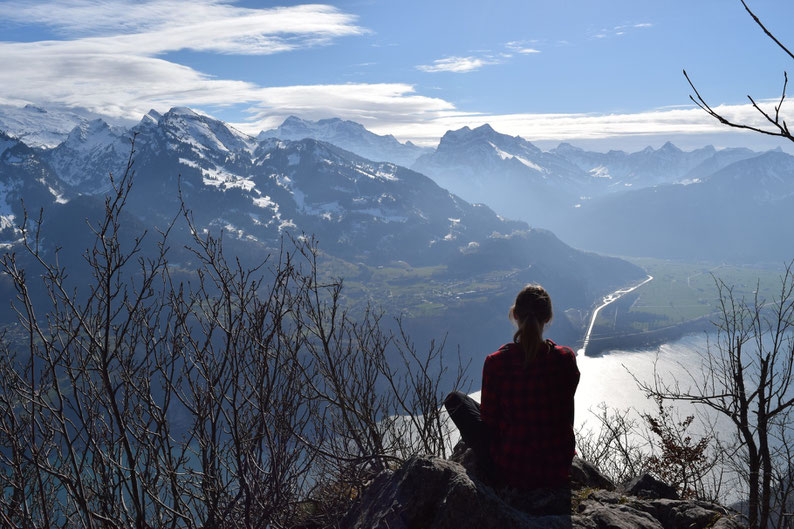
529	414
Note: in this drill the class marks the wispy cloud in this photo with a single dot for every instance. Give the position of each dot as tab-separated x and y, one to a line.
457	64
518	46
619	30
110	60
153	27
480	58
684	121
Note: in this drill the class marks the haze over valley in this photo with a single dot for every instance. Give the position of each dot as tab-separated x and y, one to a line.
440	236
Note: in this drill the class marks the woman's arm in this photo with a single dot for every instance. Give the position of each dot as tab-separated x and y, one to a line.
489	404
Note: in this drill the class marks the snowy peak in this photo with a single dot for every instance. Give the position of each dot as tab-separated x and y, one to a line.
38	127
93	134
203	133
348	135
668	147
465	138
91	150
766	177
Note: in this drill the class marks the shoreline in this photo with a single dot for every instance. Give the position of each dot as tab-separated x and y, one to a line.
598	345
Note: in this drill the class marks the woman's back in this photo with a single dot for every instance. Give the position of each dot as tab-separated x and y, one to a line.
528	411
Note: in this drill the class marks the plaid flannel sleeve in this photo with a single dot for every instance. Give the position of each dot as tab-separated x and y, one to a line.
489	405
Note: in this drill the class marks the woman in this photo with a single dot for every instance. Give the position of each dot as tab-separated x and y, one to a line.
522	432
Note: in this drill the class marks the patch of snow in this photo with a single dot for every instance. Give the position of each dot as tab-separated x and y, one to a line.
293	159
189	163
577	205
387	176
221	178
690	181
7	221
359	169
264	202
507	156
288	224
58	196
600	172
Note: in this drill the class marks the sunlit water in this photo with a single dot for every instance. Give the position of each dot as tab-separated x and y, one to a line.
610	377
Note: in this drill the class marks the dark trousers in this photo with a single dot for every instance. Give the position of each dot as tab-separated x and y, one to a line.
465	413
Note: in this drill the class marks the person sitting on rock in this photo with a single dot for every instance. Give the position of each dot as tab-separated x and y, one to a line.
522	432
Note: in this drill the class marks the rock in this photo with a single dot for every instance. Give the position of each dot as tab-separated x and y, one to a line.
620	517
584	474
433	493
648	486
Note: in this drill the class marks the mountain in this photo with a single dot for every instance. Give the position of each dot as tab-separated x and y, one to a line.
649	167
90	151
743	212
363	210
37	126
350	136
23	176
645	168
446	262
506	172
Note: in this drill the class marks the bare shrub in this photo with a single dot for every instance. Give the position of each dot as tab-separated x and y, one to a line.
242	397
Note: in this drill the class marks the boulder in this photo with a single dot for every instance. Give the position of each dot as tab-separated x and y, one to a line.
647	486
432	493
584	474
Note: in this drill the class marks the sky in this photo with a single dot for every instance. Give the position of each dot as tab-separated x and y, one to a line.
599	74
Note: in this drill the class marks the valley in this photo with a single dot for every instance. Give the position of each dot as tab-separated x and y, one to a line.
414	247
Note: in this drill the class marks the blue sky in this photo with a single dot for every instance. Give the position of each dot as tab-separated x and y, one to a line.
595	73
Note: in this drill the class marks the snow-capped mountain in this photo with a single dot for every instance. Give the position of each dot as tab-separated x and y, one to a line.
23	176
743	212
37	126
91	151
256	190
619	170
350	136
508	173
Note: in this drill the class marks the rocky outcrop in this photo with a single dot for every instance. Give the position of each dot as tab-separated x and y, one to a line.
433	493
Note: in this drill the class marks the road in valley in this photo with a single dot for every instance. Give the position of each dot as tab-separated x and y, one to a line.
606	301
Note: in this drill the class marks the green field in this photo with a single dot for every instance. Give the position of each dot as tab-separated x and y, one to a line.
682	292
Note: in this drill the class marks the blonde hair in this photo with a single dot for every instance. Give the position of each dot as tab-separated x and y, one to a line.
531	312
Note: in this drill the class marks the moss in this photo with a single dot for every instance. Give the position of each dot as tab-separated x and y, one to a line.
579	496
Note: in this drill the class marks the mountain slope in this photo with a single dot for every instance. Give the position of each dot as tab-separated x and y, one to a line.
743	213
506	172
350	136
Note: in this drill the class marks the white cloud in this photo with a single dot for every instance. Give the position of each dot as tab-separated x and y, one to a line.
456	64
110	63
568	127
520	47
619	30
151	28
373	105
